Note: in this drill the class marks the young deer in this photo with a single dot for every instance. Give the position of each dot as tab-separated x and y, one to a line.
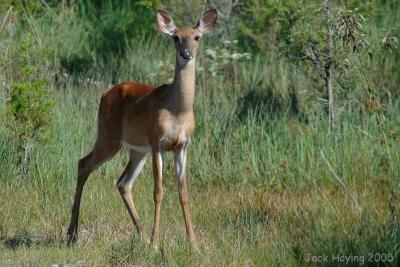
149	120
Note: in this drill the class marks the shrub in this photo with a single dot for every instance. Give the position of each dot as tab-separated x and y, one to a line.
28	111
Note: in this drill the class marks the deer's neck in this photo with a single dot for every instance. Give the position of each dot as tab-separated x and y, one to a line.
183	85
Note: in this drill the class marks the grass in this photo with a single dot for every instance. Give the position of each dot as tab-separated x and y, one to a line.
261	192
269	184
249	227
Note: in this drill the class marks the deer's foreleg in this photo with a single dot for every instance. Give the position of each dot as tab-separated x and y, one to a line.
180	171
158	196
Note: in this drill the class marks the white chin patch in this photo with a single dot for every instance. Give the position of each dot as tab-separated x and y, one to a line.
184	61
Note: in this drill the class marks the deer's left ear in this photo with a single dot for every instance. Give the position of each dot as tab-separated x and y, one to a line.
207	21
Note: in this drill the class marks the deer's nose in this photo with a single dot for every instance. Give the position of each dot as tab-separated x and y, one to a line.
186	54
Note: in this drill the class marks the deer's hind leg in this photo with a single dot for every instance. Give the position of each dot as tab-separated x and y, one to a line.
102	151
124	185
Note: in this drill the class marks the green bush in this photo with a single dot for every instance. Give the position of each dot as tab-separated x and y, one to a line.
105	31
28	112
266	22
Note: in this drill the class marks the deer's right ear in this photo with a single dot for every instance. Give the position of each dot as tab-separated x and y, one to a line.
165	22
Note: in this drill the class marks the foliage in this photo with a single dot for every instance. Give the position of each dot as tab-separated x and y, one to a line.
389	41
105	28
267	22
29	108
347	26
224	58
28	112
268	187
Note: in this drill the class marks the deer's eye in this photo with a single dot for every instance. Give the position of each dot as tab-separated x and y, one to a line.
197	37
176	38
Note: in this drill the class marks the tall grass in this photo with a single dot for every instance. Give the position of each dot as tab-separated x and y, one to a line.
262	190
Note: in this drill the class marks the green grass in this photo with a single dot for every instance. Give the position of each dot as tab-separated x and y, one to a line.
261	191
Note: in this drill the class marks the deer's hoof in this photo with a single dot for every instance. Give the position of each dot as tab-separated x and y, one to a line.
154	245
72	238
194	247
144	238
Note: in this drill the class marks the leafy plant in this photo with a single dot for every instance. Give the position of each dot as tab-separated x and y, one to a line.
389	41
267	22
222	59
30	105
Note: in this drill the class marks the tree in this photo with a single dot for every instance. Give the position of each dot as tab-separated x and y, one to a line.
328	56
329	71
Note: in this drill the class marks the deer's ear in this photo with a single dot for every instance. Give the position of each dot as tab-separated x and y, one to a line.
207	21
165	22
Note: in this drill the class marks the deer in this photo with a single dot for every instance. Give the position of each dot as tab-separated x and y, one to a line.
149	120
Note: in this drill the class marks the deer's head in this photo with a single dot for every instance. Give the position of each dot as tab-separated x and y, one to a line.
186	38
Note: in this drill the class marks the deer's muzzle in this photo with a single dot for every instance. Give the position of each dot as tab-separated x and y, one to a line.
186	54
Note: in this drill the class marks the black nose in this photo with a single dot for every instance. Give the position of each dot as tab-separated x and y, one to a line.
186	54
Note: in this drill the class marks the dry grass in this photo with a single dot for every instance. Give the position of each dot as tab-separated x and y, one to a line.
234	227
